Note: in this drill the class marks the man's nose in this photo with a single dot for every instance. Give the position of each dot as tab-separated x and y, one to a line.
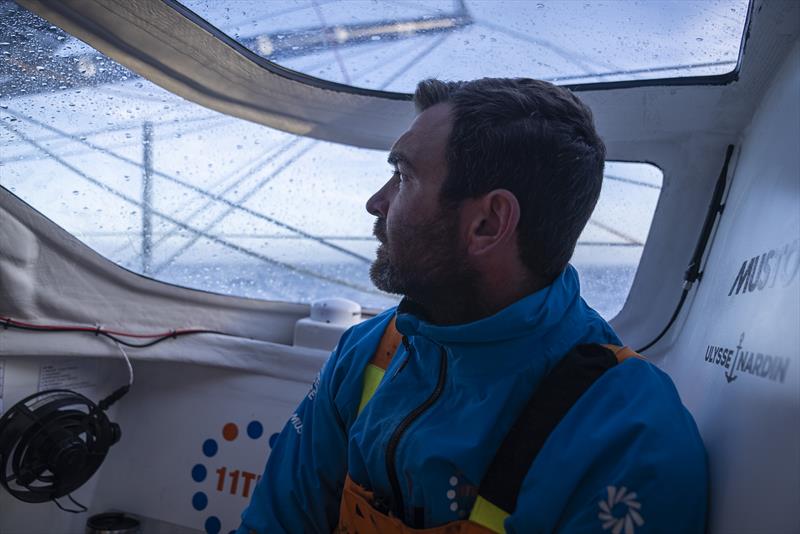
378	204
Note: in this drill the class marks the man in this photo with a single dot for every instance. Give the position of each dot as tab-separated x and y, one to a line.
491	186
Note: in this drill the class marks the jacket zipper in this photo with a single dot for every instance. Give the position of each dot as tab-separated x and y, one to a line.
391	448
407	346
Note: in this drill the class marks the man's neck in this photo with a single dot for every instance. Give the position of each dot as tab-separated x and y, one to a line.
470	304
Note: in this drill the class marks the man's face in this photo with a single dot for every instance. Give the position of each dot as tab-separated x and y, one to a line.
421	254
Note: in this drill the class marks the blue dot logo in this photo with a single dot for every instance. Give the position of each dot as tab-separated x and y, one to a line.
213	525
199	473
210	447
255	430
199	501
273	439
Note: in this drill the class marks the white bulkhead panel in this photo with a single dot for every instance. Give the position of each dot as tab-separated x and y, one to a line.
736	361
20	377
196	442
195	439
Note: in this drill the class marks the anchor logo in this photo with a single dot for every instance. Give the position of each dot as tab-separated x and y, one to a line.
729	375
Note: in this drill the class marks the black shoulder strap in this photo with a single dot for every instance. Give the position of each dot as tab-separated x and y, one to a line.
558	392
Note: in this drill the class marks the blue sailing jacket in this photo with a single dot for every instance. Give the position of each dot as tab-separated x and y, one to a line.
627	458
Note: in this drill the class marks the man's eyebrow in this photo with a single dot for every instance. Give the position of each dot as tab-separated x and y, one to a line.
396	157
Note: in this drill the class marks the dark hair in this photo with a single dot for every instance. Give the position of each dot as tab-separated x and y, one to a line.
533	138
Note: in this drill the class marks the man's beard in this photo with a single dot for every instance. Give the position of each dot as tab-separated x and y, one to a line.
425	261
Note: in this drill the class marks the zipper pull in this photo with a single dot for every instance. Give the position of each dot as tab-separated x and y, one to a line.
409	350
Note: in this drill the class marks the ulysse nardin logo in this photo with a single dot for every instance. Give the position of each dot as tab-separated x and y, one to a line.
763	271
737	361
620	511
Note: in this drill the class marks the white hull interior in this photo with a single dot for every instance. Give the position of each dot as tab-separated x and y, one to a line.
746	400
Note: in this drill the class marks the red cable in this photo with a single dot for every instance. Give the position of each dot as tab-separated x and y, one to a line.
12	322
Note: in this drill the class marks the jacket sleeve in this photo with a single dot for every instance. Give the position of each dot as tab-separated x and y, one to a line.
302	482
627	459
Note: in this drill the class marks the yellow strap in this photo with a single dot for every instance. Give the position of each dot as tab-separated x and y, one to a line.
488	515
390	341
376	368
623	353
372	379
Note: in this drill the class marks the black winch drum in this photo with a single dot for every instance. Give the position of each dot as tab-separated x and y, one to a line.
112	523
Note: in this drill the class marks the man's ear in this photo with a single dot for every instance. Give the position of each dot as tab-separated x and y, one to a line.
491	221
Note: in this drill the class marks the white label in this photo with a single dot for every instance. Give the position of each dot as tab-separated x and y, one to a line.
69	374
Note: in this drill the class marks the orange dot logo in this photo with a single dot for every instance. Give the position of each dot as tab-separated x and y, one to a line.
230	431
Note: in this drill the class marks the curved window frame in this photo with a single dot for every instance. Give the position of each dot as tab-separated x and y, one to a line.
306	79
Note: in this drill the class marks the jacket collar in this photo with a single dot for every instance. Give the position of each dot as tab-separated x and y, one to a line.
537	312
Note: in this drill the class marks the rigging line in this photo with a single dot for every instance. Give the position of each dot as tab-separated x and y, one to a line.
351	238
166	235
77	151
398	49
264	181
255	165
262	161
335	47
210	237
119	90
430	11
240	235
414	60
630	181
611	230
268	16
566	54
232	179
353	53
197	189
133	126
723	13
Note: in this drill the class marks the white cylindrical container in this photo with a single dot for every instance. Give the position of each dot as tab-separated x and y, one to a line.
328	321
